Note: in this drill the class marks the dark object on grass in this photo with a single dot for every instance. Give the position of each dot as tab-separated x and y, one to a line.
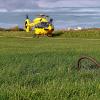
87	63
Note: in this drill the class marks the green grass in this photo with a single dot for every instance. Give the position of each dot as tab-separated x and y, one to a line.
15	34
44	68
85	33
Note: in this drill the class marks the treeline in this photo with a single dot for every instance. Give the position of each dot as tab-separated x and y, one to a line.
16	28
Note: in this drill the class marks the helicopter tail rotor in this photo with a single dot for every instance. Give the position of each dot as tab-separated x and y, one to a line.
27	22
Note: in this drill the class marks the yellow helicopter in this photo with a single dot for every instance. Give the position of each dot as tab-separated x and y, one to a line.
42	25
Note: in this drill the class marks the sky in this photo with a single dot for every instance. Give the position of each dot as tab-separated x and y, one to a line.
32	4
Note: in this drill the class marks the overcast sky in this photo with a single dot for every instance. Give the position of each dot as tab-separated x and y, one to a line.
31	4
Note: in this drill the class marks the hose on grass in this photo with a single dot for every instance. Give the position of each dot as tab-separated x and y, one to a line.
89	59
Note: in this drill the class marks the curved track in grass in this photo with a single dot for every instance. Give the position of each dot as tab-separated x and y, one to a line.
87	58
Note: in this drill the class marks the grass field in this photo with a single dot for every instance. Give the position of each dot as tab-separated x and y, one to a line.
44	68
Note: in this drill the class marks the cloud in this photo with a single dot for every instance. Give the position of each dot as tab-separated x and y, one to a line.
68	3
31	4
17	4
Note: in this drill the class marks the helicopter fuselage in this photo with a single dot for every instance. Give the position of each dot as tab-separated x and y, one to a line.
40	26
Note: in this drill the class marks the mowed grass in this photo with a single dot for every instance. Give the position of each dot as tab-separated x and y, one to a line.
45	69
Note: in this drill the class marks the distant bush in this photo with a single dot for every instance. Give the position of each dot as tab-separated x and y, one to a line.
16	28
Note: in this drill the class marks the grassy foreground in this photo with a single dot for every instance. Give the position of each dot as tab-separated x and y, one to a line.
43	68
85	33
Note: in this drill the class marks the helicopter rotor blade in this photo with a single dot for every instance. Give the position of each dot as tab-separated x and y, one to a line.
27	17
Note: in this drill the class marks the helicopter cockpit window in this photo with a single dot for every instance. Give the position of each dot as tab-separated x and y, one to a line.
42	25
